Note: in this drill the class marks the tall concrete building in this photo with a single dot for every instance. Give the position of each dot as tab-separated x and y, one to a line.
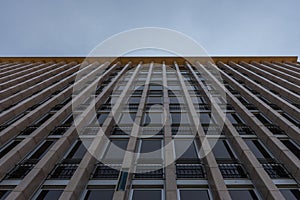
150	128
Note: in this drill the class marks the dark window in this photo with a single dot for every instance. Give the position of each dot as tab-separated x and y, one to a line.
127	118
194	195
292	147
291	194
185	149
262	118
257	149
178	118
43	119
38	154
234	118
155	100
150	149
116	150
243	194
9	147
4	194
77	151
101	118
146	195
205	118
49	194
152	118
99	194
222	151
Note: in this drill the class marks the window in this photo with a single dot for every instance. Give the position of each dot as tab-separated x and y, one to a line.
77	151
8	147
49	194
4	194
262	118
152	118
116	150
178	118
155	100
205	118
292	147
41	151
234	118
222	151
185	149
291	194
101	118
99	194
127	118
243	194
194	194
258	149
147	195
151	149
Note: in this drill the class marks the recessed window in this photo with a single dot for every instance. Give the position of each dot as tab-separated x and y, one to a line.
243	194
116	150
127	118
101	118
291	194
194	194
185	149
234	118
205	118
99	194
222	151
4	194
258	149
49	195
41	151
151	149
8	147
152	118
179	118
292	147
147	195
262	118
77	151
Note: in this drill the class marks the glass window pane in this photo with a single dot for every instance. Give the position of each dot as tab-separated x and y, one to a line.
257	149
293	194
221	150
99	194
185	149
49	194
116	149
243	194
146	195
194	195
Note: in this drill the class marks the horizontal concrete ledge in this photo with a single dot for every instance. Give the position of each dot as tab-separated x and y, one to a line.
157	59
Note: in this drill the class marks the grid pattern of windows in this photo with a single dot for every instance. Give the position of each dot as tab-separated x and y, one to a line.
149	114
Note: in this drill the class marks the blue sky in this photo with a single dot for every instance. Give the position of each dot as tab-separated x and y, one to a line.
222	27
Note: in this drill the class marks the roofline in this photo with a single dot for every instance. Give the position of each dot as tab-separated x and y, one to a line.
157	59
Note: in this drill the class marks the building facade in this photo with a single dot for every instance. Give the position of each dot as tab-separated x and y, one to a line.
141	104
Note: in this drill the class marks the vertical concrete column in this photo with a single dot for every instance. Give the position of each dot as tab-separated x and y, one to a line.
215	179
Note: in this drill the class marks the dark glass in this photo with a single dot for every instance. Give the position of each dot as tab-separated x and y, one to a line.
257	149
222	150
194	195
99	194
77	151
49	195
4	194
243	194
146	195
185	149
38	154
292	194
292	147
9	147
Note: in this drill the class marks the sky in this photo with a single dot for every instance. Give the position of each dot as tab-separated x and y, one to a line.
222	27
